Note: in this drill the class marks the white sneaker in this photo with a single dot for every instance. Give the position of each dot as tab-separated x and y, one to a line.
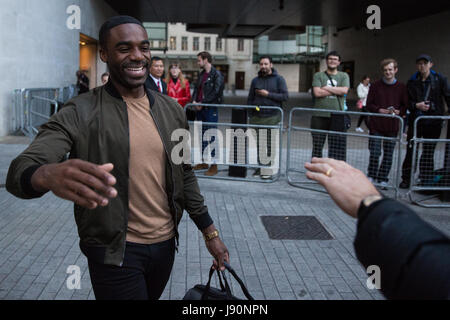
383	185
359	129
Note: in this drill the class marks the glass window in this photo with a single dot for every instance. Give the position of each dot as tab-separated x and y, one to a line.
207	43
218	44
184	43
195	44
162	44
241	45
173	43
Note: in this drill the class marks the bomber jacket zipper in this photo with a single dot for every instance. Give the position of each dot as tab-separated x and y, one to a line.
173	181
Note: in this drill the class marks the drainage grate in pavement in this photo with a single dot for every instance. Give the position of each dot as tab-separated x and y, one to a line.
295	228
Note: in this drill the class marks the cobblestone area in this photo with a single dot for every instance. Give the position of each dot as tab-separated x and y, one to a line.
39	241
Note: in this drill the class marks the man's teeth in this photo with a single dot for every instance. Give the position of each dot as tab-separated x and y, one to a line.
136	69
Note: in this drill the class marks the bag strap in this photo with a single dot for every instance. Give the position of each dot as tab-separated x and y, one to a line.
243	287
427	93
332	84
226	288
208	285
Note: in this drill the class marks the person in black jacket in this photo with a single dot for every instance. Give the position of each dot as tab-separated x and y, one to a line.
267	89
413	256
427	90
155	77
208	90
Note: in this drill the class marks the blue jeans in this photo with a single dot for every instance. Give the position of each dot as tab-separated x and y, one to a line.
208	114
143	276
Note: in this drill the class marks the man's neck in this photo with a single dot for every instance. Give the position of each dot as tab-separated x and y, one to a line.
332	71
134	93
390	81
207	68
425	76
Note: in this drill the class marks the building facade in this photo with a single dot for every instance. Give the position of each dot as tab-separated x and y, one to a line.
362	49
40	51
233	57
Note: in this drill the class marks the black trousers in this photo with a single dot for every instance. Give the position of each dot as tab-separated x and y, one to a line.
337	144
426	164
375	171
143	275
363	118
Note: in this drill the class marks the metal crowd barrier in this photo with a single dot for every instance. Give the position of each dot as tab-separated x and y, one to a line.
355	146
33	107
431	170
241	144
18	102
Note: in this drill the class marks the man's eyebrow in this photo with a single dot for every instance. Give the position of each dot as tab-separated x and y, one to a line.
122	43
129	43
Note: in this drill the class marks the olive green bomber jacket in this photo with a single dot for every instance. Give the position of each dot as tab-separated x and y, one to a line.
94	127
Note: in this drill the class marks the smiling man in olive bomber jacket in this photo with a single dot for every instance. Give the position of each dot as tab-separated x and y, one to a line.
129	195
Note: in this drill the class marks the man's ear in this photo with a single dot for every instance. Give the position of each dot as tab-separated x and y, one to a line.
103	55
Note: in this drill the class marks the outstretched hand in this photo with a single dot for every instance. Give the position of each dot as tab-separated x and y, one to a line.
346	185
86	184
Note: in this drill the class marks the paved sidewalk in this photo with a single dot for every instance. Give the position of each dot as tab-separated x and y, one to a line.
39	241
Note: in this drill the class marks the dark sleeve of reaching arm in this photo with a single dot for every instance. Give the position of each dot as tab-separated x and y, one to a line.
52	143
282	94
194	202
414	257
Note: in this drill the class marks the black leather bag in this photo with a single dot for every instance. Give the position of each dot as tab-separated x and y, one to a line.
206	292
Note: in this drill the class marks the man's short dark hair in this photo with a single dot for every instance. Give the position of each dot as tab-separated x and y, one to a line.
156	58
265	57
205	55
334	54
114	22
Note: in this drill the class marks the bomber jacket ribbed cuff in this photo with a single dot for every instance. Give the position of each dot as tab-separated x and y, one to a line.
25	182
203	221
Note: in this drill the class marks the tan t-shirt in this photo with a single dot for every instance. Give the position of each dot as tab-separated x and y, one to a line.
149	219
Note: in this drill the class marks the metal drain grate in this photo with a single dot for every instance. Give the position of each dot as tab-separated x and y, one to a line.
295	228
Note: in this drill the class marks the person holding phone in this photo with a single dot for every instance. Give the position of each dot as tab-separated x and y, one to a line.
427	91
386	96
267	89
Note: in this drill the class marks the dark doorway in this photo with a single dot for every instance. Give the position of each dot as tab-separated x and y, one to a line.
240	80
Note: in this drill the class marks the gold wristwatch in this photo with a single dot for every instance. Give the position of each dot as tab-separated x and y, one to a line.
210	236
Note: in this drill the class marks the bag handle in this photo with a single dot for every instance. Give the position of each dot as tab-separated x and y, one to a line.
241	283
208	285
227	288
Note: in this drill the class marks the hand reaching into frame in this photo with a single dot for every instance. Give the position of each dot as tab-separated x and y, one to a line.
346	185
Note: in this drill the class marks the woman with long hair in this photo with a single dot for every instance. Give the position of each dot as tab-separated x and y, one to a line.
177	86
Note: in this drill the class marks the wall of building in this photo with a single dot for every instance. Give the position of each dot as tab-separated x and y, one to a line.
403	42
38	49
